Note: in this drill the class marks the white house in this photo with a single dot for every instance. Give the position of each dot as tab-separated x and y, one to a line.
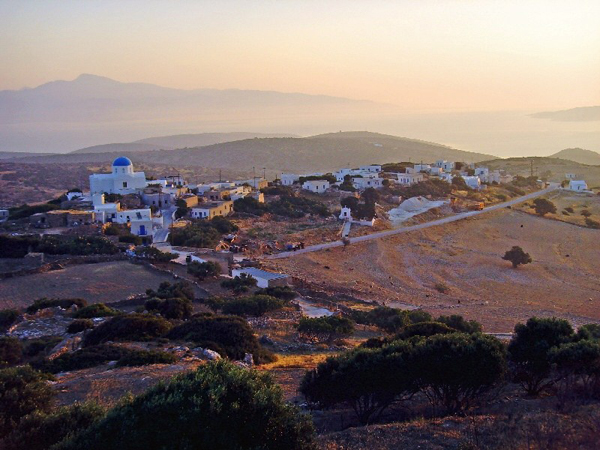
435	170
74	194
341	174
570	176
142	227
472	182
129	215
372	168
578	185
287	179
367	182
482	171
263	278
4	213
408	179
345	213
316	186
447	177
422	167
122	180
448	166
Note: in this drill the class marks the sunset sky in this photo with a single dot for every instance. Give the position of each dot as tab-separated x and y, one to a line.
420	55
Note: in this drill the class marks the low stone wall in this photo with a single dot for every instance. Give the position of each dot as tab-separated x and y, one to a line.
58	264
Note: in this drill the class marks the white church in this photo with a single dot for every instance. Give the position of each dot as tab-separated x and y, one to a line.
122	180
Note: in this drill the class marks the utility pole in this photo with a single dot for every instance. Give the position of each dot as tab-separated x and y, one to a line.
265	173
532	167
254	176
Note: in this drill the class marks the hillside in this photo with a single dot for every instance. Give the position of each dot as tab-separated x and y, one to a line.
316	153
120	148
203	139
554	169
582	114
579	155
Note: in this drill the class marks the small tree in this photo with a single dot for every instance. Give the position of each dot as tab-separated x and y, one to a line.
529	351
240	284
517	256
22	391
203	270
326	328
543	206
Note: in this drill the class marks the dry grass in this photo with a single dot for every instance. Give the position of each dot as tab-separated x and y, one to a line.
308	361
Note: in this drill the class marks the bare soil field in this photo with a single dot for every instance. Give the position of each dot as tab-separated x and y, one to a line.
465	258
570	206
102	282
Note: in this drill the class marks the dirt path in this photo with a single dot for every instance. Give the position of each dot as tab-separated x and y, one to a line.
422	226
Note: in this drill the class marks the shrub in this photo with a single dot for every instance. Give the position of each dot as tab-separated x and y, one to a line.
296	207
96	310
79	325
83	359
589	331
24	211
256	305
424	329
144	358
40	431
64	303
203	270
585	213
130	239
529	351
250	205
75	245
569	209
33	347
592	223
171	308
131	327
543	206
577	363
16	246
181	289
326	328
282	292
22	391
7	318
458	323
442	288
218	406
154	254
239	284
517	256
201	234
390	320
455	370
229	335
11	351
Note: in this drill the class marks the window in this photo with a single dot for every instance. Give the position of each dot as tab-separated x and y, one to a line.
124	184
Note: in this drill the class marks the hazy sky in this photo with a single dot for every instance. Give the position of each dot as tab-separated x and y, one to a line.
421	55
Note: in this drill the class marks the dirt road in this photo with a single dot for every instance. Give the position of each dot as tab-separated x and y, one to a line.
382	234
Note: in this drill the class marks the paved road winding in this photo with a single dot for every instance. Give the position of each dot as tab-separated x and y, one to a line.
433	223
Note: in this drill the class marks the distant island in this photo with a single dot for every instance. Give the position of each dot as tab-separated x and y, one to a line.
582	114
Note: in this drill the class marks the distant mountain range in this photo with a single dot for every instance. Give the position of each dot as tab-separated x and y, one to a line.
316	153
61	116
582	114
176	141
579	155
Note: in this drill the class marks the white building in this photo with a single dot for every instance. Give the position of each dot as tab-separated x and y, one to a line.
122	180
263	278
448	166
408	179
4	213
578	185
287	179
447	177
422	167
345	213
435	170
372	168
473	182
367	182
482	172
316	186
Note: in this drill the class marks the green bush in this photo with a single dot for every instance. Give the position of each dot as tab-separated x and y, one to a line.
11	351
171	308
203	270
296	207
390	320
64	303
7	318
22	391
96	310
83	359
589	331
424	329
130	239
326	328
23	211
282	292
517	256
76	245
239	284
181	289
218	406
578	366
250	205
40	431
144	358
130	327
202	233
231	336
529	351
79	325
256	305
543	206
34	347
458	323
154	254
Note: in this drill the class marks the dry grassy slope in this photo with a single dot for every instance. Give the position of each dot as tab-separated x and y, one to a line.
466	256
318	153
558	167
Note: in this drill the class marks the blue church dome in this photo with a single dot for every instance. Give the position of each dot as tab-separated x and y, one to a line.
122	161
